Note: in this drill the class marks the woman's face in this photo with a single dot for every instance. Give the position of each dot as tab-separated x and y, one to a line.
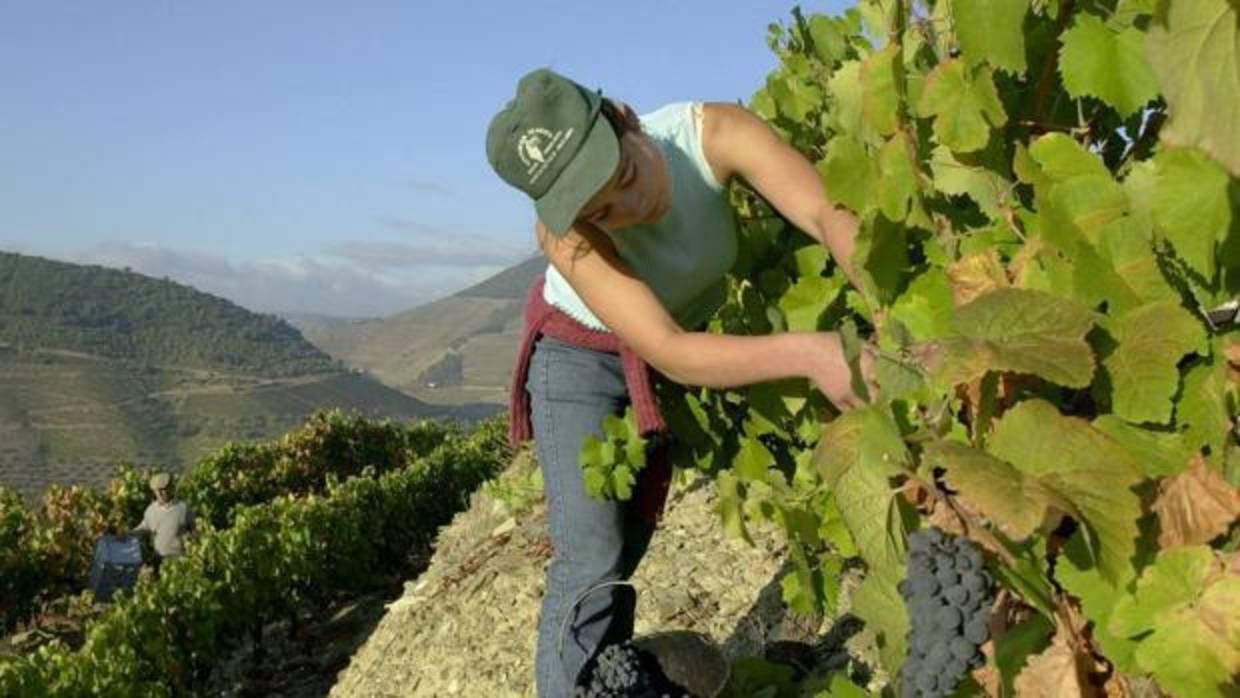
638	192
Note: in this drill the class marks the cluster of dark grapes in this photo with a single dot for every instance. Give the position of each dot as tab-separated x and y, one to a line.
624	671
948	594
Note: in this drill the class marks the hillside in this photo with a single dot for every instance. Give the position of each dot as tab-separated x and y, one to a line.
99	366
455	350
122	315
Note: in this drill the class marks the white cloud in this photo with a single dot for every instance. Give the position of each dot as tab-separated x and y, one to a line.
379	255
356	284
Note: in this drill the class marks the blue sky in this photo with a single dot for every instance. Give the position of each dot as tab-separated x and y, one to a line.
312	156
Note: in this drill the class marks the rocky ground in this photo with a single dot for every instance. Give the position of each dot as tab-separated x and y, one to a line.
467	626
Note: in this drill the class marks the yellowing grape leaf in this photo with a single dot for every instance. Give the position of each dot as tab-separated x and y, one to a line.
1020	504
992	31
1058	672
1143	368
1018	330
1186	608
1194	49
1195	506
1101	62
976	275
1084	465
964	104
1161	453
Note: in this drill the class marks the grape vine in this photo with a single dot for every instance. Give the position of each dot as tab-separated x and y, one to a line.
1048	233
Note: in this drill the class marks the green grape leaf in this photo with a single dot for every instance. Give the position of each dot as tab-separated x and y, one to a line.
596	483
897	180
849	173
729	505
1100	62
1077	197
1194	49
1012	329
752	459
1098	598
1020	504
877	602
1191	206
986	187
622	482
797	587
811	260
1084	465
964	104
881	254
992	31
897	380
880	103
1062	158
1202	411
830	36
1143	368
763	104
925	308
844	88
1161	453
1095	280
804	303
856	455
841	687
1127	11
1081	207
1189	605
853	348
1133	261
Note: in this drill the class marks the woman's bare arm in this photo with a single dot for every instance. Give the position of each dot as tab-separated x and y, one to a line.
738	143
627	306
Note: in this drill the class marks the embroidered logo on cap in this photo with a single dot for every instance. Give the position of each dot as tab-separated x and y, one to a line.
538	148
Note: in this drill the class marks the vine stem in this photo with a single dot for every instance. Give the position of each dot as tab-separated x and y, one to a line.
971	525
1052	63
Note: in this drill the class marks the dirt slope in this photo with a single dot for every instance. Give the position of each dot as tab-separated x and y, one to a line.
467	626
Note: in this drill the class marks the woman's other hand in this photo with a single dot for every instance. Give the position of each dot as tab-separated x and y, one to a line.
833	377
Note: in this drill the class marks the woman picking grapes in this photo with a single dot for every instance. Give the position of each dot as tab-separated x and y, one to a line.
634	221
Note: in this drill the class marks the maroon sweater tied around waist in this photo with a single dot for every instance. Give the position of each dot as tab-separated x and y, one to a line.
542	318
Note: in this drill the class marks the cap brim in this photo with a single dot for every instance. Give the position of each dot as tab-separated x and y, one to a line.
584	176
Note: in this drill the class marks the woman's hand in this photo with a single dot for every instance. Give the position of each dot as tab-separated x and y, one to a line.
833	377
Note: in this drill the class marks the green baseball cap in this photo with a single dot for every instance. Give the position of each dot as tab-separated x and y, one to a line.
550	142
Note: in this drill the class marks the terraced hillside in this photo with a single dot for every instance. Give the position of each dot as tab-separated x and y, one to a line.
457	350
99	366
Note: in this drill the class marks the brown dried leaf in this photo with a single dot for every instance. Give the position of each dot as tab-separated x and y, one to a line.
975	275
1195	506
1232	352
1055	673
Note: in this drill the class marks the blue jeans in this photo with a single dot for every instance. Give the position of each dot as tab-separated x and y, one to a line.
571	391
